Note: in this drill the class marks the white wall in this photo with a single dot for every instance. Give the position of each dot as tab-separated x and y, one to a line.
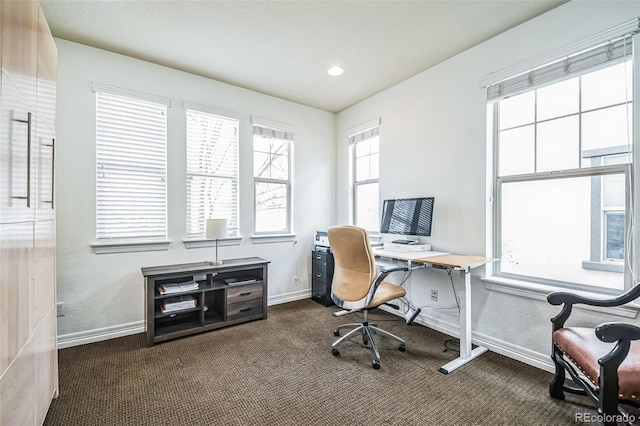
103	294
433	143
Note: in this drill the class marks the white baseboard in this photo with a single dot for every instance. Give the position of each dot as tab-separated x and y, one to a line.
502	347
106	333
99	334
289	297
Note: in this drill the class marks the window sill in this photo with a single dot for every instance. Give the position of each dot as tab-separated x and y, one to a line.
541	291
603	266
273	238
203	242
129	246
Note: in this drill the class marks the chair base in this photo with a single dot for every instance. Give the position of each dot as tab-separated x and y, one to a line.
366	330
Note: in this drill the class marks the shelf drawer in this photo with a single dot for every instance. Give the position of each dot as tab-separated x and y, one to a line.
244	309
242	293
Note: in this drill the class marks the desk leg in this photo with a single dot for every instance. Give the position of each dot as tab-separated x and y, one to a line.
466	354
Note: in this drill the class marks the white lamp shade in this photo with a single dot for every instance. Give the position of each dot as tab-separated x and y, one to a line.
216	228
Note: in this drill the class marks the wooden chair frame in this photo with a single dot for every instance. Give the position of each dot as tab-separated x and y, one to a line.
605	395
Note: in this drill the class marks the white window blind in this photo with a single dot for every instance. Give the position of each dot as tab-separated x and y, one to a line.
212	170
272	152
131	167
572	65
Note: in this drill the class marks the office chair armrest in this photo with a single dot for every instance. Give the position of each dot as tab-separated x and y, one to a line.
391	269
615	331
570	299
380	278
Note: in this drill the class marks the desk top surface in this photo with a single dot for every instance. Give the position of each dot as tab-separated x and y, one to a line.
404	254
456	260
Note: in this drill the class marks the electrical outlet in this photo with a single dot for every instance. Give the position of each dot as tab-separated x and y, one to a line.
434	295
60	309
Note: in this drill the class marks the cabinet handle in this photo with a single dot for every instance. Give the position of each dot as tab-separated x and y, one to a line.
245	310
28	123
318	275
245	294
53	167
318	257
29	160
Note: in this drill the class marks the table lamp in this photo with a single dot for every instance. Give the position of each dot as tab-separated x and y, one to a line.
216	229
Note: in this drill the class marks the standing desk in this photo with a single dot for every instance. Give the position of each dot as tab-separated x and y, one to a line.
457	262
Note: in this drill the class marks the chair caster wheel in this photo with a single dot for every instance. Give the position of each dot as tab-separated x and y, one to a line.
335	352
336	332
375	364
401	348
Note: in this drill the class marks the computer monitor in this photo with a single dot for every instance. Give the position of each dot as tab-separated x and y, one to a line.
407	216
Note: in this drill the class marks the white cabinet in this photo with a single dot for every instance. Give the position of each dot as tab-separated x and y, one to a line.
28	350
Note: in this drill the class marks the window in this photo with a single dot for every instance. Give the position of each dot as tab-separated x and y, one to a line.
131	165
272	152
365	155
212	170
563	144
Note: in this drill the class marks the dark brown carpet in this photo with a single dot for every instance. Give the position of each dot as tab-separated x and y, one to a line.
280	371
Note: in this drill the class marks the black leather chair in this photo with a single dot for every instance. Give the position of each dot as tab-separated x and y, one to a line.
603	361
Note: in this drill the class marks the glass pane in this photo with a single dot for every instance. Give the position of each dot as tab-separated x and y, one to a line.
558	99
614	235
209	197
280	167
362	149
516	151
613	188
271	207
367	207
362	168
375	144
517	110
375	163
607	86
609	127
558	147
546	231
261	144
279	146
261	165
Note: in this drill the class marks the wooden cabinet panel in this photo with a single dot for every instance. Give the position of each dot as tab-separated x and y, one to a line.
45	357
43	160
44	270
17	389
46	72
16	257
28	349
16	162
19	45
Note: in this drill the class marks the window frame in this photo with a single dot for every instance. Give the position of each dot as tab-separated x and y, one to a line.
495	276
234	220
133	242
356	136
283	133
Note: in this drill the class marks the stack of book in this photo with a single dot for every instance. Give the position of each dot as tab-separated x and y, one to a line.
178	303
177	287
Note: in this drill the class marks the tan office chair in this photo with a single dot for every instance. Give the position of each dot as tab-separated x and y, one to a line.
357	287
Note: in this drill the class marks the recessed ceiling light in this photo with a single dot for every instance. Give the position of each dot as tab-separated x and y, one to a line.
335	71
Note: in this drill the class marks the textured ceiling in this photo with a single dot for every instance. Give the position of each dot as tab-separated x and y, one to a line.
284	48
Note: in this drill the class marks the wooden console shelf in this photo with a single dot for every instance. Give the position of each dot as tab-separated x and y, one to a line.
231	293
